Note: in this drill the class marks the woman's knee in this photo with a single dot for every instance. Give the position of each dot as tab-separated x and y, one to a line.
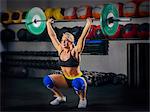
79	84
48	82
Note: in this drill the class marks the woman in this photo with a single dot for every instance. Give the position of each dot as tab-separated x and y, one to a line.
69	59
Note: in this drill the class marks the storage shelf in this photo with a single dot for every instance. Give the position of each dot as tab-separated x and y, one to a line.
81	22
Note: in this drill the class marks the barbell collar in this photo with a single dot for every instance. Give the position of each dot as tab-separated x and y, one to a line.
23	21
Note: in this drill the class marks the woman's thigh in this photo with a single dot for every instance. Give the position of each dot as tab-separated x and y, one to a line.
59	80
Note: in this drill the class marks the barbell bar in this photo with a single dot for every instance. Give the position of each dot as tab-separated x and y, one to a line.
111	20
35	21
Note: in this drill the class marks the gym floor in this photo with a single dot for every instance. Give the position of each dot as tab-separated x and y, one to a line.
29	94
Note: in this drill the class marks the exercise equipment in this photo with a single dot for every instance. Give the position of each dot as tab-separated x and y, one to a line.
120	8
24	15
130	31
143	31
6	17
48	13
16	16
22	34
70	13
7	35
84	12
58	13
42	64
144	8
25	35
109	20
118	33
88	76
109	27
35	21
98	33
119	79
129	9
32	37
43	36
96	11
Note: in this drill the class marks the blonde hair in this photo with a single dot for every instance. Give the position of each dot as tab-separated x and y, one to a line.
70	37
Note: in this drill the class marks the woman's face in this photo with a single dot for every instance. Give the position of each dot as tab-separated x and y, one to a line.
65	42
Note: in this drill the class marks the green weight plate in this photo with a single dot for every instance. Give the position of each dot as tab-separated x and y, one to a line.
108	29
35	14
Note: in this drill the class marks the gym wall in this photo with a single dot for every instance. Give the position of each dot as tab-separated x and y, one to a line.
3	5
115	61
2	8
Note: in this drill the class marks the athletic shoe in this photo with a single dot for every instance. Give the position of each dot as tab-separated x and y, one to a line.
82	103
58	100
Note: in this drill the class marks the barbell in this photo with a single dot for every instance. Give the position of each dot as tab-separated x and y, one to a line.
35	20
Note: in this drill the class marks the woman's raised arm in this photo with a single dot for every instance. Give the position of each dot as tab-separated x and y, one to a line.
53	35
81	40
